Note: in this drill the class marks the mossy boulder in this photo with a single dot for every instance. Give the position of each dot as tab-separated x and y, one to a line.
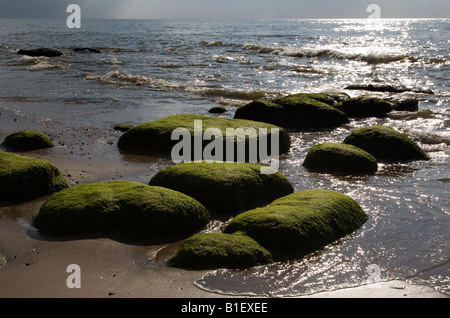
23	178
28	140
156	137
218	250
386	144
341	158
298	111
225	188
365	106
129	209
300	223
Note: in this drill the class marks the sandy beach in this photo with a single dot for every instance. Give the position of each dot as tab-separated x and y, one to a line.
36	266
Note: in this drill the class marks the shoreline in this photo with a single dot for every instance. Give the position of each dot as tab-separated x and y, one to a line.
36	266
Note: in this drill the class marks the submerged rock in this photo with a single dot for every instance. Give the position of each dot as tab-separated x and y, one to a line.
386	144
132	209
28	140
300	223
40	52
298	111
224	188
388	88
341	158
218	250
156	137
365	106
408	104
218	110
23	178
86	50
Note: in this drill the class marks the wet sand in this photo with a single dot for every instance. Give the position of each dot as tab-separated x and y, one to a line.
36	266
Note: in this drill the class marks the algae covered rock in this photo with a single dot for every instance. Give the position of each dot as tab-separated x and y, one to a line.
218	250
300	223
386	144
297	111
224	188
190	133
342	158
24	178
28	140
127	208
217	110
365	106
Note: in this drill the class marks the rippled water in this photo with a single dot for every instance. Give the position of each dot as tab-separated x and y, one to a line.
149	69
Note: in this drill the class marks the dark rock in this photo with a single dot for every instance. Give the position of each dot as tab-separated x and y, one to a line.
40	52
365	106
86	50
386	144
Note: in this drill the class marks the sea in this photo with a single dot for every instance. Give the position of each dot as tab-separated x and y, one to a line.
150	69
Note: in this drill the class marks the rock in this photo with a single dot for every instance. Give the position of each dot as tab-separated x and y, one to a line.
86	50
300	223
408	104
123	128
218	110
386	144
130	209
340	158
329	98
218	250
28	140
40	52
365	106
388	88
156	137
224	188
23	178
298	111
378	88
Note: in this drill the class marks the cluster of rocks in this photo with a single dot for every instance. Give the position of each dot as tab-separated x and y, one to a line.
268	220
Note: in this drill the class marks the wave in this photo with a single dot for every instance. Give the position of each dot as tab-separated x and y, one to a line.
369	58
40	63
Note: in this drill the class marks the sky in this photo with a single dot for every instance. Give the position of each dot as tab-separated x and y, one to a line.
225	9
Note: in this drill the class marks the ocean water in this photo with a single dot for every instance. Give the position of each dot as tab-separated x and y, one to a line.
149	69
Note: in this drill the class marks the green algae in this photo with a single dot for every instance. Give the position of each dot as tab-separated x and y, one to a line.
300	223
28	140
127	208
386	144
23	178
223	187
341	158
219	250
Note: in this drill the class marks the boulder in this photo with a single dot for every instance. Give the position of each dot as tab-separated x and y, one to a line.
129	209
23	178
340	158
218	250
224	188
218	110
407	104
300	223
365	106
298	111
28	140
156	137
386	144
123	128
40	52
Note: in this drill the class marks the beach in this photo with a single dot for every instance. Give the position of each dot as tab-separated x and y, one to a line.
36	266
139	71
